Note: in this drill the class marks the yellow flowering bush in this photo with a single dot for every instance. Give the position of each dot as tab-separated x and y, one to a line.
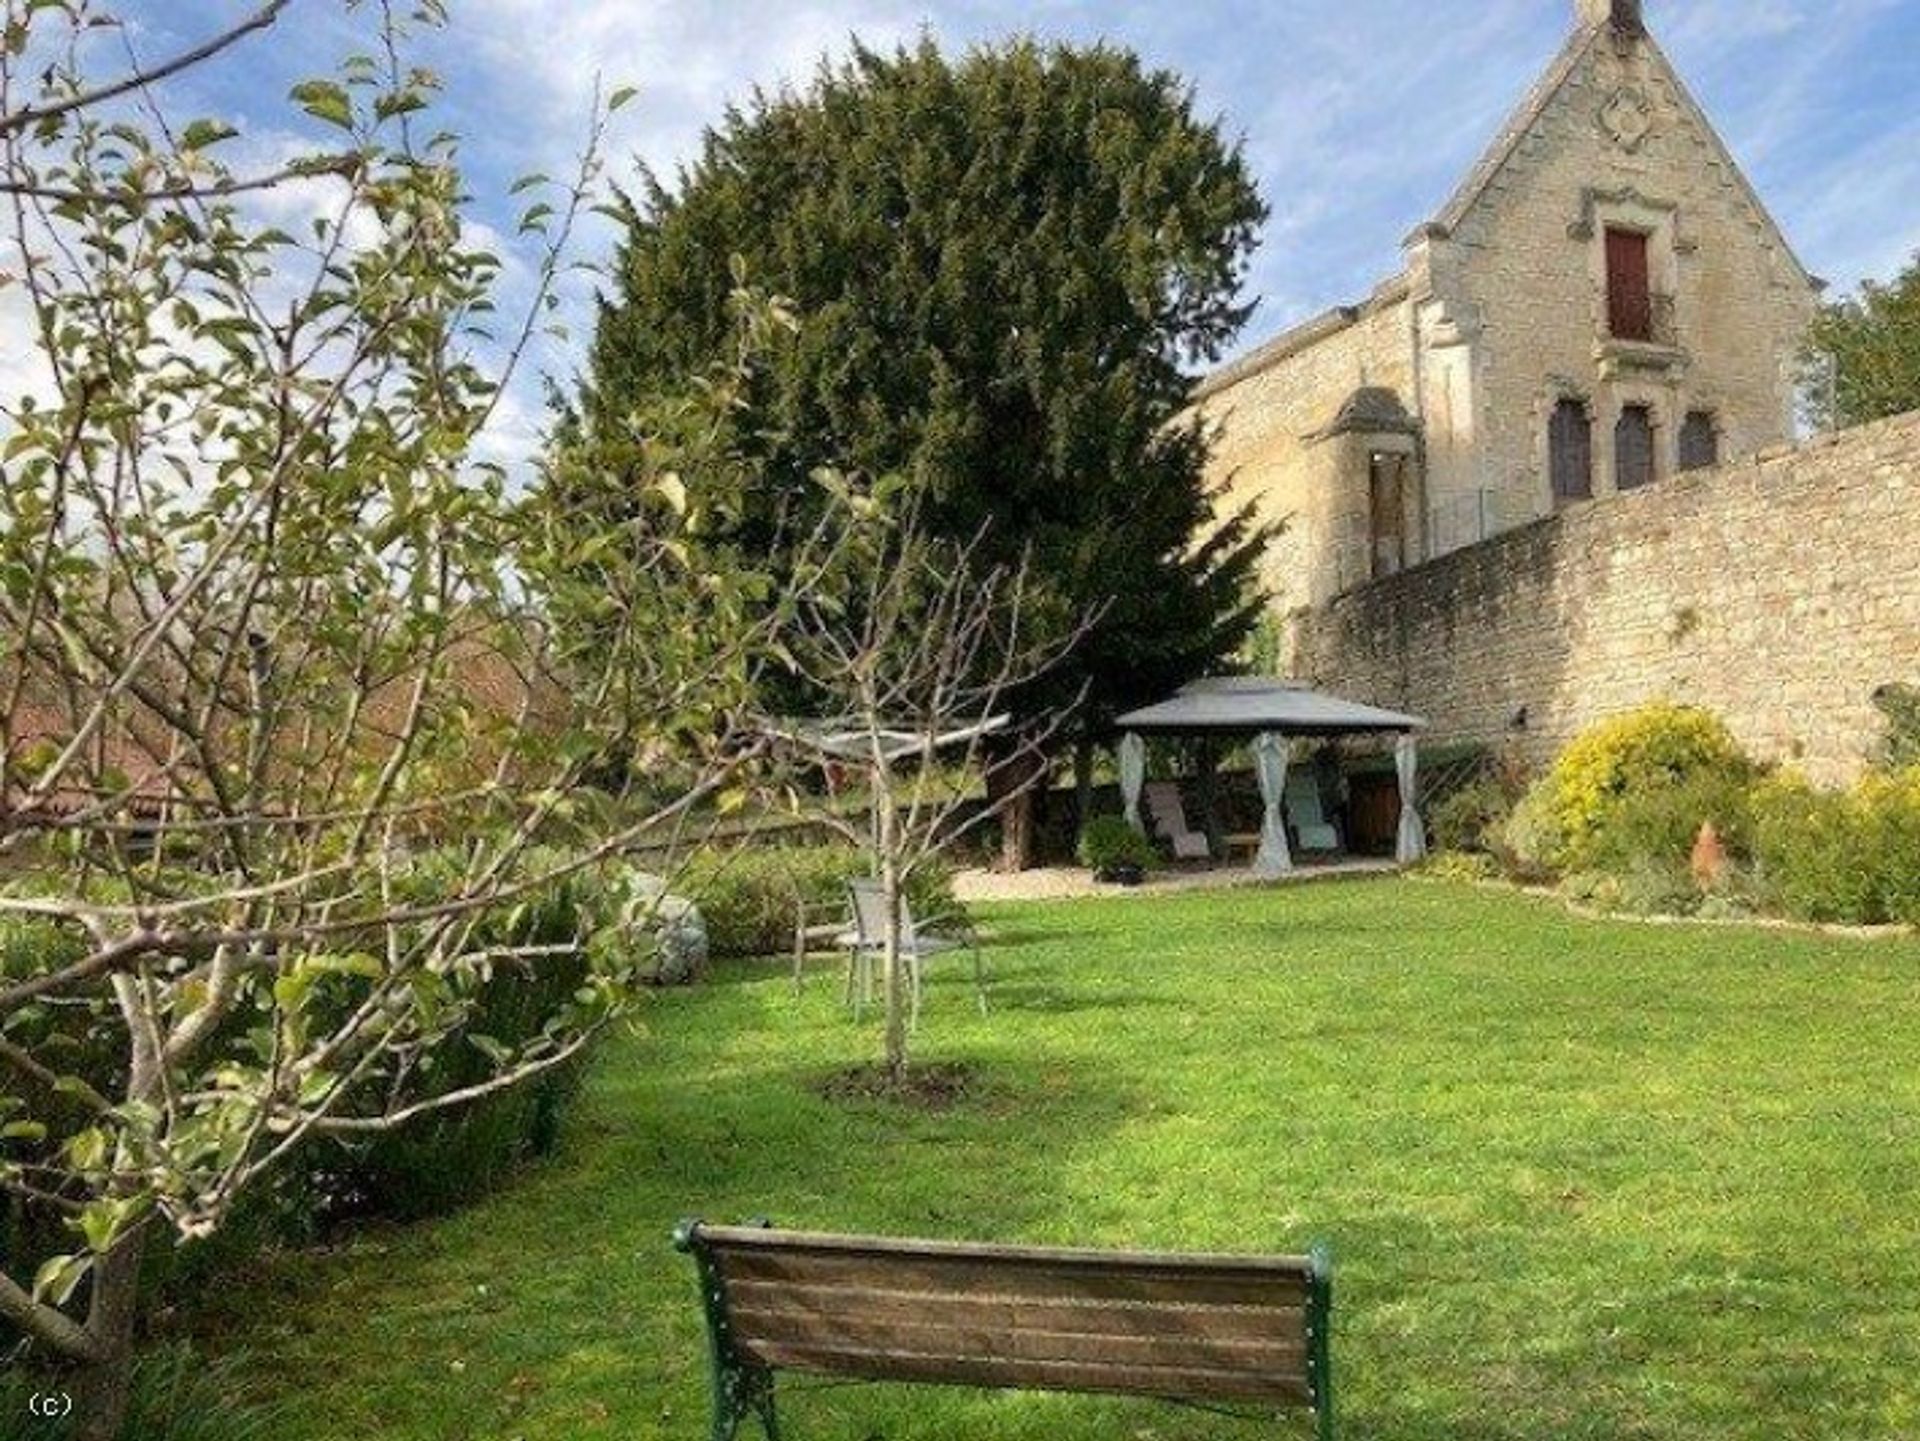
1851	857
1625	762
1634	788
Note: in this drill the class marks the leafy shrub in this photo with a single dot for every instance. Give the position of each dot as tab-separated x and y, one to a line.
1108	843
1468	819
1848	858
1632	789
1894	802
1642	887
177	1396
1528	841
750	897
1660	825
1460	866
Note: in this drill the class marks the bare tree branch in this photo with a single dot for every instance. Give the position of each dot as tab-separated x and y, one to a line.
31	115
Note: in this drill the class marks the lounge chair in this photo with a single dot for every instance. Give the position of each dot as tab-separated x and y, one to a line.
1309	820
1170	819
867	943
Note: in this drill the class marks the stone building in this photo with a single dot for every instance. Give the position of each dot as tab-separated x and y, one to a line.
1603	302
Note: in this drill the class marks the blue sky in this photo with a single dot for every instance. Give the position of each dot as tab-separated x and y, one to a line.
1358	115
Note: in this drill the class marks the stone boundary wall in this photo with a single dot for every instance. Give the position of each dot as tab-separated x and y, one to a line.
1780	591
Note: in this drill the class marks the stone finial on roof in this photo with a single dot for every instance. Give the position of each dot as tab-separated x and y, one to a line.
1621	14
1371	410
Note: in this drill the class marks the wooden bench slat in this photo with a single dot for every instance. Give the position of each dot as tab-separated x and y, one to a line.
896	1364
943	1337
1036	1279
753	1238
1282	1325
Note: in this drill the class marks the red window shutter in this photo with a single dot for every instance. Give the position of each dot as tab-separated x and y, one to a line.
1629	286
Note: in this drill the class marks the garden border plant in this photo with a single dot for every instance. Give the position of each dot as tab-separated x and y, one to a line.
271	627
1617	823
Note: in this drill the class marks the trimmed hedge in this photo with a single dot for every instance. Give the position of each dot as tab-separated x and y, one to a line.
439	1162
444	1159
750	898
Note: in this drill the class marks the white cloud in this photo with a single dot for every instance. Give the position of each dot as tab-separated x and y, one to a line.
688	61
1359	115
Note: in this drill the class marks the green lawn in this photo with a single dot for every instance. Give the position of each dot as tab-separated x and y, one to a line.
1584	1180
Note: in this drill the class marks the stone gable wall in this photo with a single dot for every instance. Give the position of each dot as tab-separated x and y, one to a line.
1525	275
1493	322
1780	592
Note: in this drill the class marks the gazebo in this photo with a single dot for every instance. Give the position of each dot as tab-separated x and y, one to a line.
1270	713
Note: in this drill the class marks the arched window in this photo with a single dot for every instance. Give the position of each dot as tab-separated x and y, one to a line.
1699	441
1570	452
1633	448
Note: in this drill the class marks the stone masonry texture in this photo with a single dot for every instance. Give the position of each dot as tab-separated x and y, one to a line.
1779	591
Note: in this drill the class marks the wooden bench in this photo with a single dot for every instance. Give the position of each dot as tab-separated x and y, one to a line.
1201	1330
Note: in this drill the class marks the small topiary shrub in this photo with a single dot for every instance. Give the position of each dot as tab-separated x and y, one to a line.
1110	846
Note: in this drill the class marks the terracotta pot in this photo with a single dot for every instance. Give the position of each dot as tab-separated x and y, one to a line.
1709	858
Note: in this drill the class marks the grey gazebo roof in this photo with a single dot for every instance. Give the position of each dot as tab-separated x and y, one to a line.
1249	705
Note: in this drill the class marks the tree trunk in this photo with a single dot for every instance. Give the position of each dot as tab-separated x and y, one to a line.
886	841
103	1388
1010	783
1083	756
897	984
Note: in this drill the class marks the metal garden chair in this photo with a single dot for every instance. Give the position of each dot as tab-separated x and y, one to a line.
866	942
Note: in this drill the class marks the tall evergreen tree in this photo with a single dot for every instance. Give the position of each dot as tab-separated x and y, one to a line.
1006	268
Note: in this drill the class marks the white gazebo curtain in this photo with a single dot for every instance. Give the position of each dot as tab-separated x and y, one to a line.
1413	835
1270	754
1133	776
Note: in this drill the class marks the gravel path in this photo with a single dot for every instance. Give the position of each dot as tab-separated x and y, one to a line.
1066	884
